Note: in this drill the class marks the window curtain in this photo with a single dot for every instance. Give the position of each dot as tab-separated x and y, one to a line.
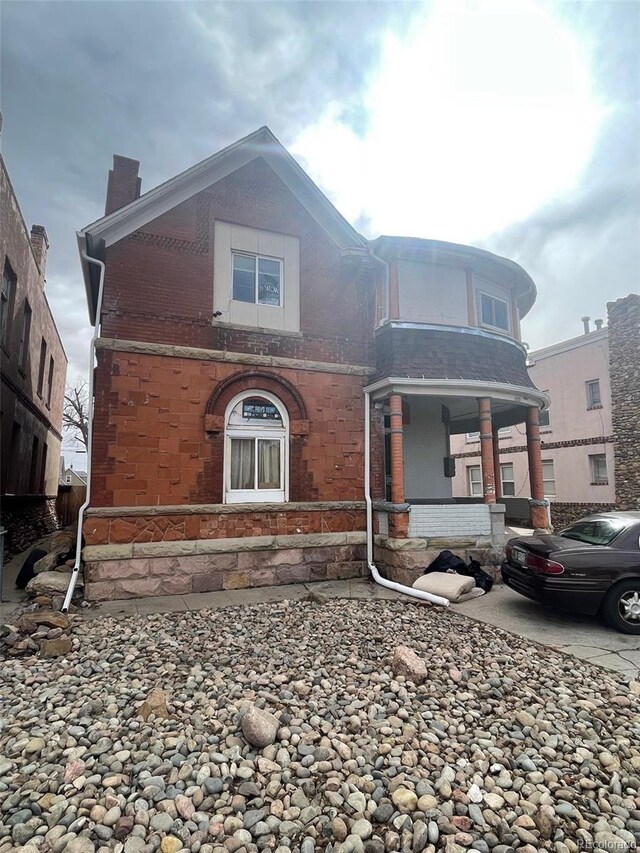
268	464
242	463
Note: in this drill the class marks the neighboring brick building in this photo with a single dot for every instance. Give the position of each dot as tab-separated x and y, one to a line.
590	440
243	320
34	368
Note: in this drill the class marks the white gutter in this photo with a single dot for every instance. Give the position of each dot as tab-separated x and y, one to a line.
92	350
375	574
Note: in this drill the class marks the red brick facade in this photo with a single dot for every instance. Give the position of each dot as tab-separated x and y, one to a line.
152	447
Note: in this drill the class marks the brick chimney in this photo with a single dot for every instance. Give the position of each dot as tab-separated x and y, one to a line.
40	244
124	184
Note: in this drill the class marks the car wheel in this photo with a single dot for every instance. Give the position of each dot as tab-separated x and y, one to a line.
621	606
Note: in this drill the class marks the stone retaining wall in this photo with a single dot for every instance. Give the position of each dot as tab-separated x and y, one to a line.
563	514
181	568
26	519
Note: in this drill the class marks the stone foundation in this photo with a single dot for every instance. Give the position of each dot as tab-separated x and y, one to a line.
404	560
26	519
563	514
120	525
137	570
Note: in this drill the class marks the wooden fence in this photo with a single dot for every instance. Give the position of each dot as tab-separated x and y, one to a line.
68	503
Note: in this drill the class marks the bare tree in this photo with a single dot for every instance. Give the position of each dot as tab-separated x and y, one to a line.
75	414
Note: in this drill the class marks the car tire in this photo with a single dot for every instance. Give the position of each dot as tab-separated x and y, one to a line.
621	606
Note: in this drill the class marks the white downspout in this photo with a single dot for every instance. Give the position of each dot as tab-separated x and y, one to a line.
92	351
407	590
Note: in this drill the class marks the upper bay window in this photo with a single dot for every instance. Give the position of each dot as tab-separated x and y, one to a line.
494	312
257	279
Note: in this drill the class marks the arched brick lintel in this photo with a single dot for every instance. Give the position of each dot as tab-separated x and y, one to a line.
256	380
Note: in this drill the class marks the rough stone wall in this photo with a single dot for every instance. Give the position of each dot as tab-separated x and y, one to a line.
180	575
219	525
26	520
563	514
624	372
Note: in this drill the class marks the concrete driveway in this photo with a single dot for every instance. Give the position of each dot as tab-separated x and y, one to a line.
585	637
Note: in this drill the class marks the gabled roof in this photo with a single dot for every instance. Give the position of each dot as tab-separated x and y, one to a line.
261	143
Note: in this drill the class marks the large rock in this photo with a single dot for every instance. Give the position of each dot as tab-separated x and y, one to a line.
56	647
50	583
407	663
155	703
30	622
259	727
61	546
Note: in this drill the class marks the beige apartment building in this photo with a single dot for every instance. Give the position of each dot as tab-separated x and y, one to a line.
576	434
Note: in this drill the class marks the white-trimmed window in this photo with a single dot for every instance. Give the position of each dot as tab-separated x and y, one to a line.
594	398
257	279
598	468
548	478
474	480
545	418
503	432
256	464
507	480
473	436
493	312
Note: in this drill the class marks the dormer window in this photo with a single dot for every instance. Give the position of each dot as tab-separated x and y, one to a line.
257	279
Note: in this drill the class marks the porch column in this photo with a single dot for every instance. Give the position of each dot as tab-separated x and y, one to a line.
496	464
397	451
538	506
486	451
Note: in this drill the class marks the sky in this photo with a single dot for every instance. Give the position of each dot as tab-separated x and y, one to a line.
513	126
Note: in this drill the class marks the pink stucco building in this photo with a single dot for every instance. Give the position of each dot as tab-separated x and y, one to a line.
576	434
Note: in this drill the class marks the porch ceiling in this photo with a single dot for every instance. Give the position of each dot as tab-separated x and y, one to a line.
509	403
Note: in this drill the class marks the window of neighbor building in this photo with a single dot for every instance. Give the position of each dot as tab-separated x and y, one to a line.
9	282
474	479
594	398
508	481
41	366
67	479
494	312
43	470
257	279
256	464
33	471
548	478
23	351
14	458
50	380
545	418
598	468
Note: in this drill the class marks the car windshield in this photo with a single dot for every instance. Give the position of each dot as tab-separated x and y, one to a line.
599	531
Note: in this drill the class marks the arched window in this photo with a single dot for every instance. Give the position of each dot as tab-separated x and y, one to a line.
256	464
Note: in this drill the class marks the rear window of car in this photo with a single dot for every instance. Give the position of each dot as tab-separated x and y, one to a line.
599	531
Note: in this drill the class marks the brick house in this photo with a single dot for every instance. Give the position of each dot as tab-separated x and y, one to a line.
34	368
593	395
245	332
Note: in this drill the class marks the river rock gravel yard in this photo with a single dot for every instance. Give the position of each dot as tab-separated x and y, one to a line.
506	745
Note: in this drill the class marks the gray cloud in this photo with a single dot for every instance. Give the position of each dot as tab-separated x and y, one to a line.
583	248
168	83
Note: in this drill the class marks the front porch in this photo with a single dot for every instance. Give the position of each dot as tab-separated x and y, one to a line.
415	514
